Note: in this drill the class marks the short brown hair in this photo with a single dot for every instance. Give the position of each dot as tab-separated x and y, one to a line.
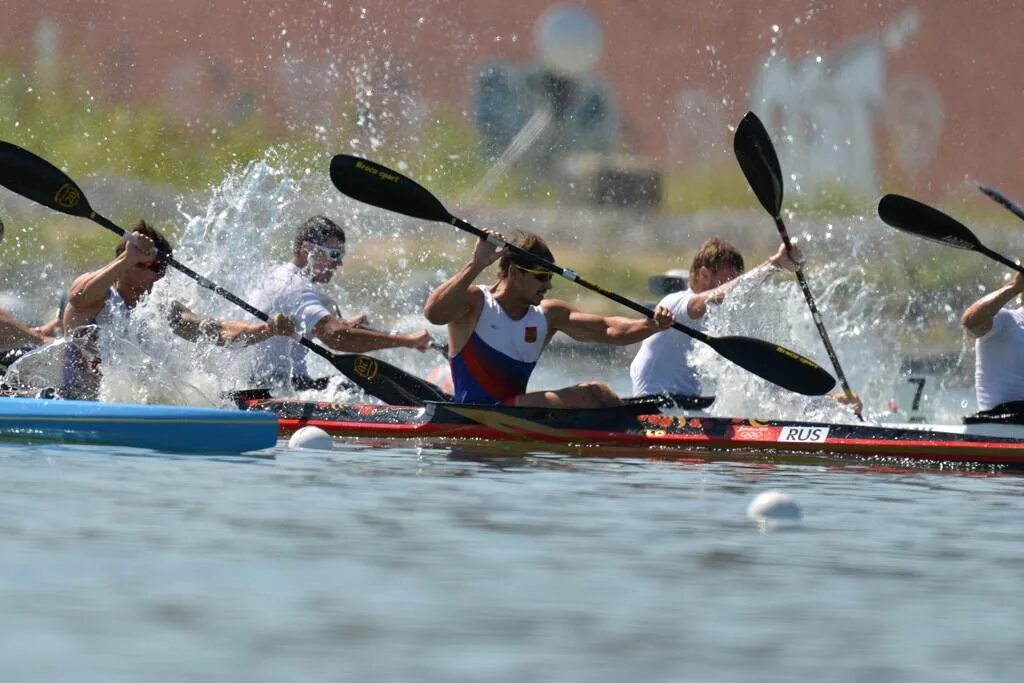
317	230
714	254
159	241
526	241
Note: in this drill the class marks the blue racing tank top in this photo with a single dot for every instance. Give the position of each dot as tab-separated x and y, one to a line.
495	364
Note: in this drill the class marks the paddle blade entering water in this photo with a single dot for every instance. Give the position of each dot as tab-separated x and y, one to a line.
910	215
759	162
379	186
388	383
776	364
34	178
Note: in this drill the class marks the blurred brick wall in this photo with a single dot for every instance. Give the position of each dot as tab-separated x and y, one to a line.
300	60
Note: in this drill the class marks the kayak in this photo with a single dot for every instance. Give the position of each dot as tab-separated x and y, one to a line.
177	429
663	435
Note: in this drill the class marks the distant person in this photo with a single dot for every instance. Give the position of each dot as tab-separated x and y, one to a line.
98	297
497	332
317	252
999	347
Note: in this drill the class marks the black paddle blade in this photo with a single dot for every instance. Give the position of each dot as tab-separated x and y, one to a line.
756	156
379	186
776	364
388	383
910	215
37	179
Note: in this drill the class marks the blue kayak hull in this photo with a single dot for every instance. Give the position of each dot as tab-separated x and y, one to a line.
178	429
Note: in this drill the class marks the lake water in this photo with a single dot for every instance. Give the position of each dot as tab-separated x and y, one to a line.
398	563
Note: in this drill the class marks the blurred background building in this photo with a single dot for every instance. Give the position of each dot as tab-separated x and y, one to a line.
915	96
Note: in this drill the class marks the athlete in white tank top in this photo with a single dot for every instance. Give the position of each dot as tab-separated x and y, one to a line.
661	364
999	346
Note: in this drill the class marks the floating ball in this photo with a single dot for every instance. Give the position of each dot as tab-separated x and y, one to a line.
774	508
311	438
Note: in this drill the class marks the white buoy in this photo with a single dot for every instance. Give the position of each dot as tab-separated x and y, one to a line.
311	438
774	508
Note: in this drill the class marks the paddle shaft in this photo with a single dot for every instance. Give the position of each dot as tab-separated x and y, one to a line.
207	283
573	276
1001	199
815	315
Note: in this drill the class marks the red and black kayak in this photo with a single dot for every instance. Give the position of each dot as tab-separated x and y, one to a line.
623	430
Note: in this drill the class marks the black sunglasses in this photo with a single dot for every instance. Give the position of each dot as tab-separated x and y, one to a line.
158	267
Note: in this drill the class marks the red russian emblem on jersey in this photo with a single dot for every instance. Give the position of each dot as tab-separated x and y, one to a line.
530	335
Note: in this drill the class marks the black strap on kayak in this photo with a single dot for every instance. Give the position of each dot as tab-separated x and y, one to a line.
1011	413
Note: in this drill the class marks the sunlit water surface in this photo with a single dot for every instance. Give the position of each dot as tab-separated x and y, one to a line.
398	563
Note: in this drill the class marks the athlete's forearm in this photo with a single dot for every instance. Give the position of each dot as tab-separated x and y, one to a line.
622	331
979	316
360	340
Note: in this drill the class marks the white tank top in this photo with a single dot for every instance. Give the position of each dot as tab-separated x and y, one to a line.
660	364
999	363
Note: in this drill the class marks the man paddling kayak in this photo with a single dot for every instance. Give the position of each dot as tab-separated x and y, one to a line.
99	297
661	364
497	332
999	338
317	252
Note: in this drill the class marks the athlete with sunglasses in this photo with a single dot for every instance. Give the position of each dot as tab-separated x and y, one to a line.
114	290
497	332
318	251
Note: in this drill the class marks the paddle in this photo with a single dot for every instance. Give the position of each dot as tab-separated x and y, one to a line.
381	187
998	197
760	164
919	219
35	178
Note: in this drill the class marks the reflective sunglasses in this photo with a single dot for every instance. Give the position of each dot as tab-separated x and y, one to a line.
538	273
331	253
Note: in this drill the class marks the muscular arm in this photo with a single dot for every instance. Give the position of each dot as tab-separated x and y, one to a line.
342	335
15	334
979	316
190	326
616	330
89	292
454	298
457	298
697	306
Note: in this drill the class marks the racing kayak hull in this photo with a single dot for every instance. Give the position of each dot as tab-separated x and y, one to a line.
666	435
177	429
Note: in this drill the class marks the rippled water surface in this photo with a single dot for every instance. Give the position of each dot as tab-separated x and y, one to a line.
395	563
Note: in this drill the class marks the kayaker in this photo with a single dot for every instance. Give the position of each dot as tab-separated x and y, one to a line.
317	252
661	364
98	297
999	340
497	332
